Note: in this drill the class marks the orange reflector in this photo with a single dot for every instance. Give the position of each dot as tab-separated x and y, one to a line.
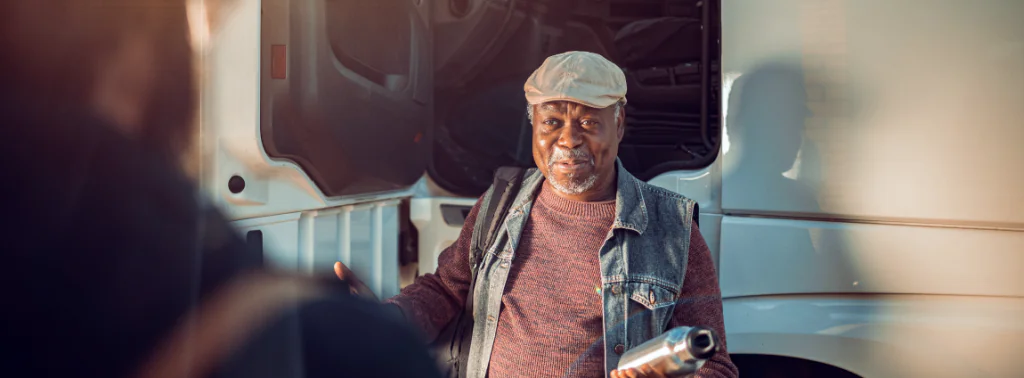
278	61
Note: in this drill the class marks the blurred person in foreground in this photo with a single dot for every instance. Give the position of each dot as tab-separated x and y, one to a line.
113	264
589	262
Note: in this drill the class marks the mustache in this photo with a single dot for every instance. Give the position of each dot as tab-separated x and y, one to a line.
575	154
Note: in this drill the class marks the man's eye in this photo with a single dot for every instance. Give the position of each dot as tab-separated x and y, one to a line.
588	122
551	122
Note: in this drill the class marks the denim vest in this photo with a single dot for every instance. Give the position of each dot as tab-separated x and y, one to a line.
643	261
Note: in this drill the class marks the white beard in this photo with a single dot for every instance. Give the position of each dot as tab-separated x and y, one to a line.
576	185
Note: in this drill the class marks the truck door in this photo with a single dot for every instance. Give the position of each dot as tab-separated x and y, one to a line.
316	119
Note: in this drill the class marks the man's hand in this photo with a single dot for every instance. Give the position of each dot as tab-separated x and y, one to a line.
645	371
355	285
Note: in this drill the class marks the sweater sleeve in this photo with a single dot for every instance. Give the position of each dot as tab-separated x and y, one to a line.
434	299
700	304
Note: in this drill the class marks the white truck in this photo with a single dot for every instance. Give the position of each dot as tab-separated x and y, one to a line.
858	164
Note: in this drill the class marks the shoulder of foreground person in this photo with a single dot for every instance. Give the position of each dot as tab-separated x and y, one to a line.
106	238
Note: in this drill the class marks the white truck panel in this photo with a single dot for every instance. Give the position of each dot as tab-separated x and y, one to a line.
703	186
763	256
364	237
872	148
905	110
886	335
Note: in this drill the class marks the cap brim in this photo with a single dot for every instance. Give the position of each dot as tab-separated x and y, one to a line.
599	103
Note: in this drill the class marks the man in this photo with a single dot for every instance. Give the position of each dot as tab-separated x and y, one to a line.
590	260
112	267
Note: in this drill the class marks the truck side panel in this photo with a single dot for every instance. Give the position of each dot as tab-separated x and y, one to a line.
364	237
907	111
870	184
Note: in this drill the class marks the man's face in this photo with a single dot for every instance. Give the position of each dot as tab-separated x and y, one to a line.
575	147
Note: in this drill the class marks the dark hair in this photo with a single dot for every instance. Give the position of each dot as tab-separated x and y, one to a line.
53	50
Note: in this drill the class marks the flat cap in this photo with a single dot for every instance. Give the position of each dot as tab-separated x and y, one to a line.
577	76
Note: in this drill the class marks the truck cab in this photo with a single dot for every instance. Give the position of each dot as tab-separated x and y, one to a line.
856	164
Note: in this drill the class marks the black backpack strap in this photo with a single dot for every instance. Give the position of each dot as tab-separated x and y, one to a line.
507	182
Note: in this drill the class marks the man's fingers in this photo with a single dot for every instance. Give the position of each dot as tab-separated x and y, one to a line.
648	372
346	274
355	285
645	371
339	270
342	272
625	373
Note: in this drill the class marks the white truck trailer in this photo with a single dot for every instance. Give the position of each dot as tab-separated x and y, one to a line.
859	164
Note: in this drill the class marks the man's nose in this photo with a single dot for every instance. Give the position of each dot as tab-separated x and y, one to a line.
570	137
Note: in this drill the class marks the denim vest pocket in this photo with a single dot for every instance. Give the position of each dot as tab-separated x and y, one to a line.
650	309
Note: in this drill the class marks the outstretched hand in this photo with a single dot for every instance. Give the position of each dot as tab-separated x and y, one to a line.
355	285
645	371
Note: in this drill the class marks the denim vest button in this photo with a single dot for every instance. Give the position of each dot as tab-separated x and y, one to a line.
620	348
616	290
652	297
490	318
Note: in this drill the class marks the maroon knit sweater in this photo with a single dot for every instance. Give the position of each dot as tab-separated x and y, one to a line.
551	318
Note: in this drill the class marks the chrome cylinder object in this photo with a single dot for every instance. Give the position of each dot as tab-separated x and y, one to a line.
676	353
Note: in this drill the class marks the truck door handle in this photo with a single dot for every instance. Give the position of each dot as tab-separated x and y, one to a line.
455	215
